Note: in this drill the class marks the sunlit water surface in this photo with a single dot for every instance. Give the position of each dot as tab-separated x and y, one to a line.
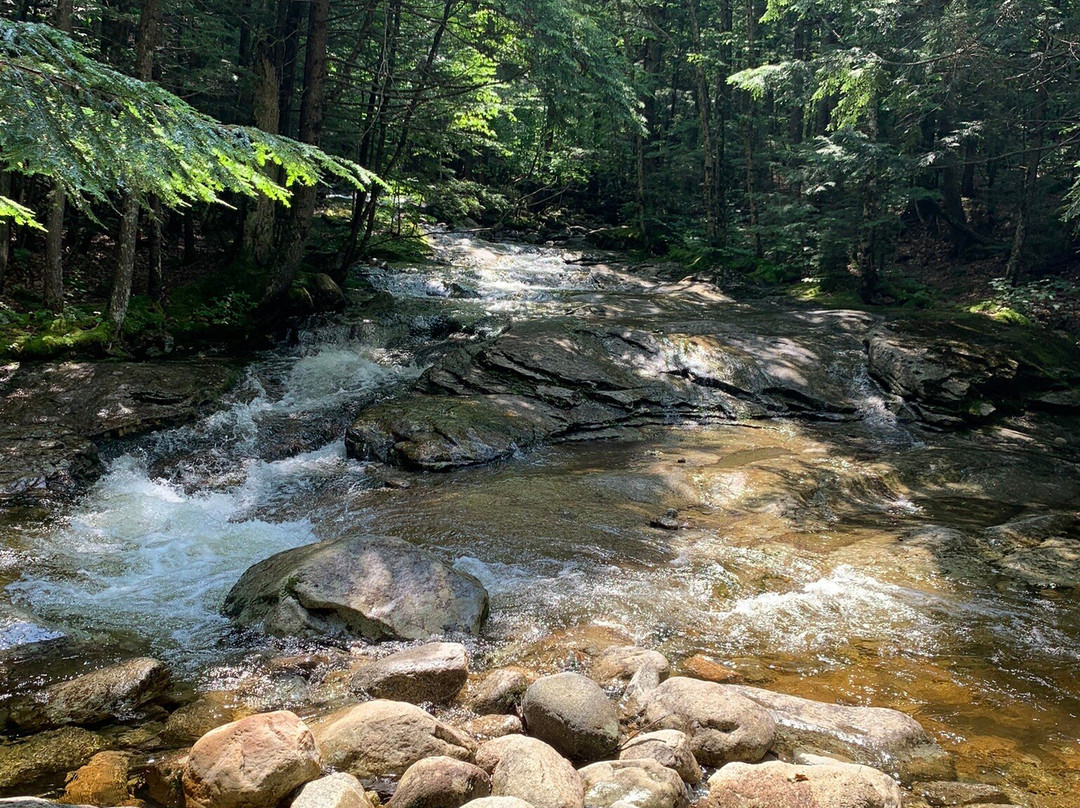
839	561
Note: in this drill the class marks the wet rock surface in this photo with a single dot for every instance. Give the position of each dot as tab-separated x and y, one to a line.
373	587
113	692
53	415
886	739
42	756
571	713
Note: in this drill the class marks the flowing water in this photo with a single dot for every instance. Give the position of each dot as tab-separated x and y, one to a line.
863	561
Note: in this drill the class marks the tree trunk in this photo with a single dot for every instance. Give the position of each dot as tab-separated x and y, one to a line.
5	230
53	279
1014	268
124	271
311	117
259	223
155	279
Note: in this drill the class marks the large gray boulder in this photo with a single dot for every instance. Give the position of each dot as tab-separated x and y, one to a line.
531	770
722	724
571	712
440	782
774	784
384	738
255	762
874	736
373	587
434	672
113	692
632	784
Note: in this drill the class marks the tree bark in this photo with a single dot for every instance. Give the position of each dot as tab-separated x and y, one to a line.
259	223
311	118
5	230
124	271
53	278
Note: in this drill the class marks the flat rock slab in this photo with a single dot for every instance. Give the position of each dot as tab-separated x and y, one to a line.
434	672
874	736
47	754
775	784
53	414
372	587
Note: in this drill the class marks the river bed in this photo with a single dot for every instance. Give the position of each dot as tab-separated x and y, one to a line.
863	560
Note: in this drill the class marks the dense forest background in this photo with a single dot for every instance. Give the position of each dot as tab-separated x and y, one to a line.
847	147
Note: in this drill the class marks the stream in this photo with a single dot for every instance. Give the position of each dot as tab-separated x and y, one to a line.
864	560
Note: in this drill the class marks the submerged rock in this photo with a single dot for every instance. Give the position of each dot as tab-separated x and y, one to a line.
620	663
114	692
723	725
571	713
875	736
435	672
102	781
374	587
253	763
384	738
500	691
773	784
949	793
42	756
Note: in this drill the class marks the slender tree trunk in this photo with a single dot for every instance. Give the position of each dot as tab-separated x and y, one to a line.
53	278
124	271
5	230
155	278
1014	268
311	117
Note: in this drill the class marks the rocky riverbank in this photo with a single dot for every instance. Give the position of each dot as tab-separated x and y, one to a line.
417	728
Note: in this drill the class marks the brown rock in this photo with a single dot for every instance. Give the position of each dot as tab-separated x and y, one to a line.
440	782
384	738
163	778
501	691
339	790
620	663
209	711
252	763
487	727
947	793
102	781
571	712
700	666
632	784
48	753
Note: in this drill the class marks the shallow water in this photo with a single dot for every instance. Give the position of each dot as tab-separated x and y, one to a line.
858	561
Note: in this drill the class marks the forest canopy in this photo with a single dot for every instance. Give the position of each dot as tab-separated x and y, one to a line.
776	138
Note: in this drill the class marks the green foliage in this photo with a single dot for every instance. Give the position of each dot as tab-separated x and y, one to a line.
1043	301
99	132
18	214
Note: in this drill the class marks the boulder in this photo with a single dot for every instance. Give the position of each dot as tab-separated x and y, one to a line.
668	747
255	762
163	778
632	784
499	802
531	770
209	711
114	692
874	736
338	790
491	726
373	587
501	691
102	781
435	672
571	713
384	738
440	782
619	663
722	725
47	754
773	784
948	793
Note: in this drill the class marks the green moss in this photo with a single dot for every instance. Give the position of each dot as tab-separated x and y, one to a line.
1003	314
